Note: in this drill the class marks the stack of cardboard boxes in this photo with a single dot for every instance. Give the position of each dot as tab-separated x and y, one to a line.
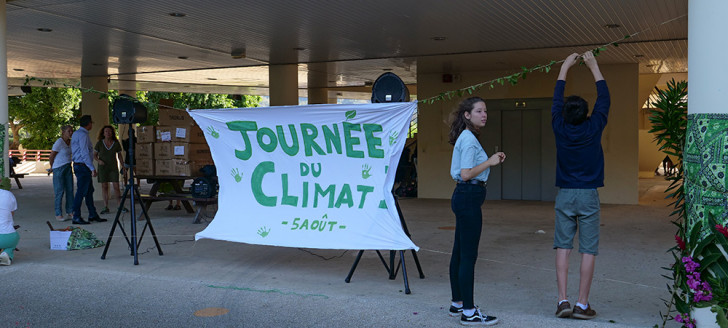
176	147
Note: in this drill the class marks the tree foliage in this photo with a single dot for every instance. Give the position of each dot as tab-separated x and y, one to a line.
36	118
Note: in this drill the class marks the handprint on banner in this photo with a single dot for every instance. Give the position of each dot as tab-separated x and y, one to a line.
393	137
213	133
365	169
263	231
236	174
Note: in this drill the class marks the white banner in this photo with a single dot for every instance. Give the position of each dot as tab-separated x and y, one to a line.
316	176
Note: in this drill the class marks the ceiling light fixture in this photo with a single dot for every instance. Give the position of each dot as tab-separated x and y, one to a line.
212	79
43	29
177	14
18	69
612	25
387	69
237	53
182	57
438	38
639	56
299	49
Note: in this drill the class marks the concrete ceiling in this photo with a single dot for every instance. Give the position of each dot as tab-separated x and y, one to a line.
225	46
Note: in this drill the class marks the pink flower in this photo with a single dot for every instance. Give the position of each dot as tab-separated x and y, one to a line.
680	242
690	265
685	320
722	230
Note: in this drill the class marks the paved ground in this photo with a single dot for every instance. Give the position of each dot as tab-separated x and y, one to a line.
222	284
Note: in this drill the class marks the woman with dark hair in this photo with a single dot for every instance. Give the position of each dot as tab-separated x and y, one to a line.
107	151
470	168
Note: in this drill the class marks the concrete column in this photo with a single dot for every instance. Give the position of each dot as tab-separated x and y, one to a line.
4	169
283	84
318	96
98	108
318	80
706	148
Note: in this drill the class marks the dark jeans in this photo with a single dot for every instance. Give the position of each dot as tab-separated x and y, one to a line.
466	202
84	189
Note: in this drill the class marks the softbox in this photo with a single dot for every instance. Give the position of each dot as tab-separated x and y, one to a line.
389	88
126	110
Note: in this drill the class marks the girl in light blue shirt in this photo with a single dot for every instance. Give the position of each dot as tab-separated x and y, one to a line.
470	168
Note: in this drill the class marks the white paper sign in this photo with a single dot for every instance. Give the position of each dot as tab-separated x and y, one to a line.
316	176
179	150
166	136
180	133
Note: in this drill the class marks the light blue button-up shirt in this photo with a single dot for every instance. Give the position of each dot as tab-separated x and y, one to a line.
81	148
468	153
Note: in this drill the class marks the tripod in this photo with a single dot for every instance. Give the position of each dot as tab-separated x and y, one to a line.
392	254
131	190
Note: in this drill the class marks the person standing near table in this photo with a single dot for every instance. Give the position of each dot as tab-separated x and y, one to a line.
83	166
60	161
470	168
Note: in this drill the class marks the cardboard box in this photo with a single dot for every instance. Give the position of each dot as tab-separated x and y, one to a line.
175	117
189	134
144	167
162	150
144	151
163	167
188	151
145	134
185	168
59	240
164	134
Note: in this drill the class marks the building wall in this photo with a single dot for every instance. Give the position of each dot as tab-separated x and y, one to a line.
619	141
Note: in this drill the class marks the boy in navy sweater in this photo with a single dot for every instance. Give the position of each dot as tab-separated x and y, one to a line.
579	172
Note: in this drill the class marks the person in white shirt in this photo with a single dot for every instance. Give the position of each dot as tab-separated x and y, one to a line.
8	236
60	161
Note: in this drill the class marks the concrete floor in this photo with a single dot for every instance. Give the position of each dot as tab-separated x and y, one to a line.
222	284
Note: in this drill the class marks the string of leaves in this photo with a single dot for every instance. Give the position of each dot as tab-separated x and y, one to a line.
514	78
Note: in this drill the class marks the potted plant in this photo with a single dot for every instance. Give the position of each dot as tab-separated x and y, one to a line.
699	291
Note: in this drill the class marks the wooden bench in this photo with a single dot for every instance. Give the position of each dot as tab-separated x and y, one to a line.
201	203
18	176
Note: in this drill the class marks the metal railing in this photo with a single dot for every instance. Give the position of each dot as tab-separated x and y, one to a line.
30	154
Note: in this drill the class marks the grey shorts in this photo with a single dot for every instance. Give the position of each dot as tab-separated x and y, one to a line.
577	208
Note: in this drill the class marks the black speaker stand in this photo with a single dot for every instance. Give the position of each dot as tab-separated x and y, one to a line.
391	270
132	191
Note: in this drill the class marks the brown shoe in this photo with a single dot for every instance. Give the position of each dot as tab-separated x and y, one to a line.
584	314
563	310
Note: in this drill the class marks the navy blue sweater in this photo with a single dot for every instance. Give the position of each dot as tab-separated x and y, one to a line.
579	155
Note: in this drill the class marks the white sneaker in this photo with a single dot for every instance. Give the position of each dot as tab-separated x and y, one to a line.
60	218
5	259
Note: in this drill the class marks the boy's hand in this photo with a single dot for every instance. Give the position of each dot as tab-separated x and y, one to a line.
589	60
570	60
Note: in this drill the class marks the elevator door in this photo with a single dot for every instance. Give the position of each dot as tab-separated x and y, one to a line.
521	139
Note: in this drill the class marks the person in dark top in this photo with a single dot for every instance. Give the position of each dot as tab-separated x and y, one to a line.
579	172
